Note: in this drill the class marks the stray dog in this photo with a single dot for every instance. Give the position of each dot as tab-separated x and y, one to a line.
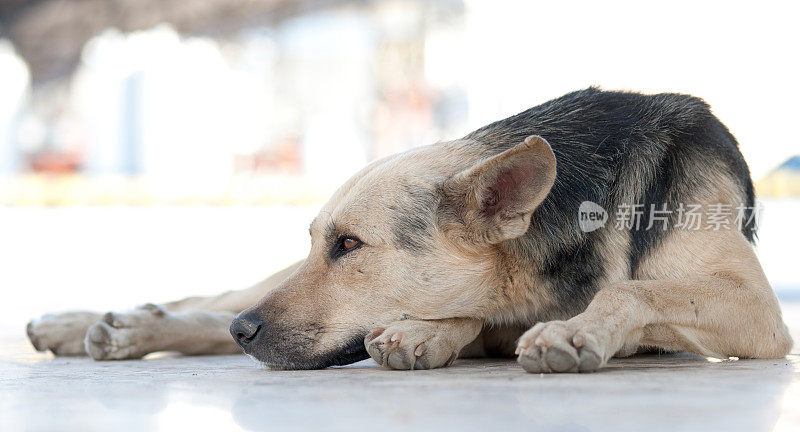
560	235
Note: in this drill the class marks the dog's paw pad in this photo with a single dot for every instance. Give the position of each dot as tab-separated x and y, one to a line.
530	362
397	360
560	361
589	361
559	346
98	341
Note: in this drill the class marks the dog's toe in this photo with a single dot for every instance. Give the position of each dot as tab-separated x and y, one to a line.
109	318
560	361
120	320
34	338
423	360
590	361
375	352
98	341
388	349
559	346
399	360
375	345
530	361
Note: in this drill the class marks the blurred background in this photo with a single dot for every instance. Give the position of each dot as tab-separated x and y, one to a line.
153	149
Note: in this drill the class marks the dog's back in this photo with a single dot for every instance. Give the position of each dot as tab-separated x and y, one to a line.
622	150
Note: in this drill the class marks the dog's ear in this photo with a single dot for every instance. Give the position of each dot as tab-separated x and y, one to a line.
493	200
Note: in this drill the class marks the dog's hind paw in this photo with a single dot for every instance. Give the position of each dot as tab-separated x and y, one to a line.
561	346
61	333
411	344
121	336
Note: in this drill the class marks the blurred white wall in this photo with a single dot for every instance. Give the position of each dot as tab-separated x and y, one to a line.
177	109
14	81
168	108
327	73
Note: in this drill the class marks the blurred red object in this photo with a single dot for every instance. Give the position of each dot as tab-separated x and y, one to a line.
51	162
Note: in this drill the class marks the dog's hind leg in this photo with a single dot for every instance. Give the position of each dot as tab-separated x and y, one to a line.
725	308
192	326
134	334
65	333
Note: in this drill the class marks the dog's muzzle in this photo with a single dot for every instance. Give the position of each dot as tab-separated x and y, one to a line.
272	344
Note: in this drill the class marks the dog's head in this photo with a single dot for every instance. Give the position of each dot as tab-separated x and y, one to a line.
414	235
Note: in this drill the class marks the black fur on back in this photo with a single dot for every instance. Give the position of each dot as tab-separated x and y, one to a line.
611	146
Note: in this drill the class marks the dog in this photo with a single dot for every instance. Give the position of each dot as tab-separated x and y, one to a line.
560	235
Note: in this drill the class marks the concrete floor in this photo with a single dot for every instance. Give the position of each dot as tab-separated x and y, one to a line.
224	393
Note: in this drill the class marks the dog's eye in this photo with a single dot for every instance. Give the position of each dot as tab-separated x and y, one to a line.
349	243
344	245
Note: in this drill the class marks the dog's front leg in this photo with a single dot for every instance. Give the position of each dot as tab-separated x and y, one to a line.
421	344
711	316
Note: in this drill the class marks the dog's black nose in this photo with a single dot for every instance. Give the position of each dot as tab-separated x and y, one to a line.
245	328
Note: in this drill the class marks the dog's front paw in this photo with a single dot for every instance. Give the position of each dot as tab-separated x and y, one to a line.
563	346
411	344
129	335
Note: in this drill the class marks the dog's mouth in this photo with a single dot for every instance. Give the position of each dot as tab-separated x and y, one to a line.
350	352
